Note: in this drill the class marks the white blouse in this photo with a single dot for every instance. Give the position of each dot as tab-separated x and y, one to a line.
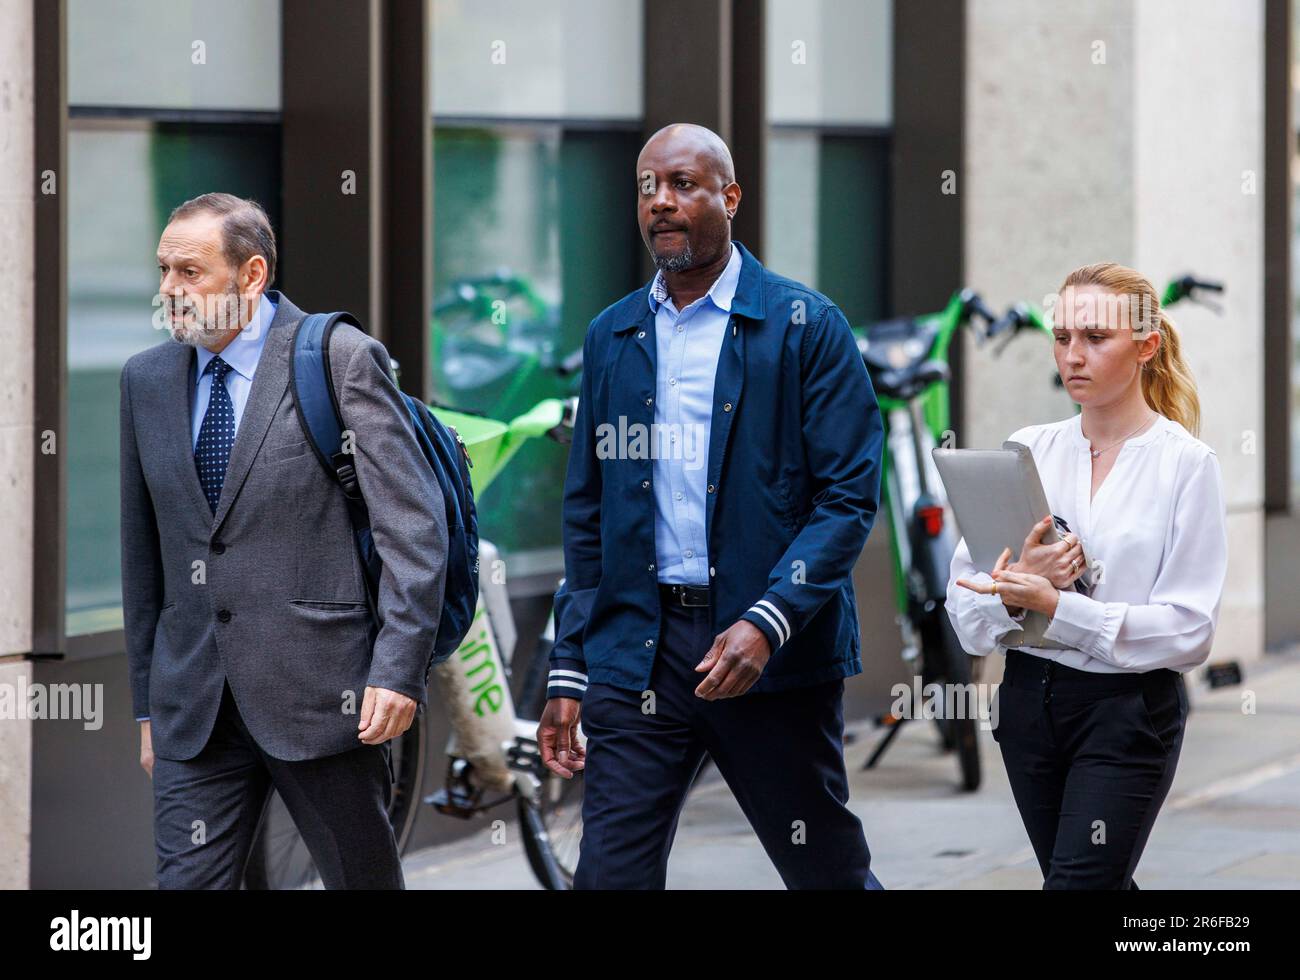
1155	536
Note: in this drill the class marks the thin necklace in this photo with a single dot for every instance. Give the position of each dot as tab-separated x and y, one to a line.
1098	452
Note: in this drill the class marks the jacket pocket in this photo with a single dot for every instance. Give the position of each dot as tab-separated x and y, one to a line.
329	604
288	451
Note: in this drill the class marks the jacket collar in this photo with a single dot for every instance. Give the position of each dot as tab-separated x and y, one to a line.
749	301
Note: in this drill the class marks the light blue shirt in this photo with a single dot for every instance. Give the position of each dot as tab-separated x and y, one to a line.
242	355
687	345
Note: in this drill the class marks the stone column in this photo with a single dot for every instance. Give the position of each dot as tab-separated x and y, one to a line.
17	341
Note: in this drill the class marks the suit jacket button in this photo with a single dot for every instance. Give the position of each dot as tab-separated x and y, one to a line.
727	407
223	615
218	548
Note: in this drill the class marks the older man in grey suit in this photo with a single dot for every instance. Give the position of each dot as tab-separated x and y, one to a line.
255	661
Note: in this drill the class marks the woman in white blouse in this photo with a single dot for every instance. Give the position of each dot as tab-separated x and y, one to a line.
1090	734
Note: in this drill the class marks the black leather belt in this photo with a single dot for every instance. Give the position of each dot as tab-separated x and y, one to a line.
693	596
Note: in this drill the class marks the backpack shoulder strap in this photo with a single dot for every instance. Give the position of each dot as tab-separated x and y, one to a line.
317	405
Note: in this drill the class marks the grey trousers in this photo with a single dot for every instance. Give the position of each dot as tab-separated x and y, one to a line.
207	809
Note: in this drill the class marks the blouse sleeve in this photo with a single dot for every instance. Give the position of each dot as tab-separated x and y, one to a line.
980	620
1176	627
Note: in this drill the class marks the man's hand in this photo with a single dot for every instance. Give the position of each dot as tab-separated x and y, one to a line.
734	662
385	714
146	748
557	734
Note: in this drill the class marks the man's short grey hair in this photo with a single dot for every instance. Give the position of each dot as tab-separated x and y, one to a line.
245	232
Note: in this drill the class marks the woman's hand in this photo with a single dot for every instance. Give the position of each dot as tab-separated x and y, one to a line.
987	589
1017	589
1060	563
1023	589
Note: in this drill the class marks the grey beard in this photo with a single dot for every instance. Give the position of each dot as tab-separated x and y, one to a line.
674	263
204	330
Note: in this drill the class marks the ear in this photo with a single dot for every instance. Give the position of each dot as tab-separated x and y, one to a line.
252	276
731	198
1148	346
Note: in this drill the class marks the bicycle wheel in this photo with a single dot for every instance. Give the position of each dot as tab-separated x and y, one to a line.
279	858
552	823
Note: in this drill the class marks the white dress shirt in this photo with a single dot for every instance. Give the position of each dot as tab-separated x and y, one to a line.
1155	535
242	354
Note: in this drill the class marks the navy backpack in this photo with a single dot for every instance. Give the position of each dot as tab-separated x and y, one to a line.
318	411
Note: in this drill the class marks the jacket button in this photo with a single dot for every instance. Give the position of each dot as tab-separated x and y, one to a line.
712	570
223	615
649	400
641	335
727	407
645	484
712	488
650	568
649	643
218	548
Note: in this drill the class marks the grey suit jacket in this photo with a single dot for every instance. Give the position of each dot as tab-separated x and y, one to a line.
269	594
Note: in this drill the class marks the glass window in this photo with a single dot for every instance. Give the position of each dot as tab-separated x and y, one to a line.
830	62
830	108
174	54
574	59
145	59
536	131
124	180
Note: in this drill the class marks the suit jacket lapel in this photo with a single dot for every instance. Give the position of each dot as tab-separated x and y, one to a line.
178	393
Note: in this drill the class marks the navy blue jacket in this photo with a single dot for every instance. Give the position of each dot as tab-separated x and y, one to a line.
793	486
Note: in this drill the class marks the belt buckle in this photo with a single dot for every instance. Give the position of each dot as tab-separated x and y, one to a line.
686	595
683	593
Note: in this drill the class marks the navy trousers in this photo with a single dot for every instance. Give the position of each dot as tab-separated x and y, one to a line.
780	753
1090	758
207	809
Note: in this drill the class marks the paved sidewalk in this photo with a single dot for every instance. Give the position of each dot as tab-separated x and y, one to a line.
1232	819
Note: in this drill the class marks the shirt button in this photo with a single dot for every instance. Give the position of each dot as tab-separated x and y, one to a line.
649	643
224	615
672	381
680	328
690	554
678	495
727	407
645	484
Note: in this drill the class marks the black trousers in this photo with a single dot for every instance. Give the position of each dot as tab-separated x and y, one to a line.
780	753
1090	758
207	809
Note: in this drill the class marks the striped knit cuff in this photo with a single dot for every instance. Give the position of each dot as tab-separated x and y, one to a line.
568	679
769	616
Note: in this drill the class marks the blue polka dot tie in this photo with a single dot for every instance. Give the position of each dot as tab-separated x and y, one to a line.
216	435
